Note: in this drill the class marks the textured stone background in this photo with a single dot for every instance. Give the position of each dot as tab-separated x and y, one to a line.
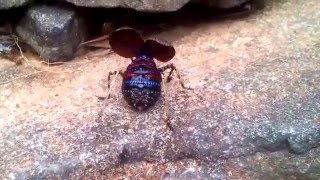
254	113
155	5
7	4
140	5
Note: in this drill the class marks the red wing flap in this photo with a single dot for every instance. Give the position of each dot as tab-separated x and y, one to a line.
161	50
126	42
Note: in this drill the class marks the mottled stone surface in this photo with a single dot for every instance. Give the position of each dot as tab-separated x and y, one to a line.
6	4
144	5
155	5
254	113
6	44
53	32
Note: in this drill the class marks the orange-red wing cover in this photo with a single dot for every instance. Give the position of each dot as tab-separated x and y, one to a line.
161	50
126	42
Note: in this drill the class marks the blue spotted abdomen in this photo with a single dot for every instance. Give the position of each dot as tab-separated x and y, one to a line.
141	85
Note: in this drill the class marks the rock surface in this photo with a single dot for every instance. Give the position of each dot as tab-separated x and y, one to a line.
222	3
53	32
254	113
155	5
144	5
7	4
6	44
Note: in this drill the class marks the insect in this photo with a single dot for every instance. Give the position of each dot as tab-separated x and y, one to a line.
141	86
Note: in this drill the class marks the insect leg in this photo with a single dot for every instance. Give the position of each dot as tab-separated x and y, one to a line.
173	68
101	114
111	83
166	110
111	73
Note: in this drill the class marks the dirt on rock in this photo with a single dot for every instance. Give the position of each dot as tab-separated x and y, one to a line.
254	107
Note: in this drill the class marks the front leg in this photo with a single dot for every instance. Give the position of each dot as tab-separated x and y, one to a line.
111	73
169	78
110	84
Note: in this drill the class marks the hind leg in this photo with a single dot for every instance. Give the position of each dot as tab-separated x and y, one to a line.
169	78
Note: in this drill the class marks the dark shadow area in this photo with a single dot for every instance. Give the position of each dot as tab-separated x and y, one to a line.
99	21
9	18
189	16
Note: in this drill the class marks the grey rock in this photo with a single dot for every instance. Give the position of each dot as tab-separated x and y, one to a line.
144	5
6	44
188	174
239	124
7	4
156	5
279	165
216	129
302	143
53	32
